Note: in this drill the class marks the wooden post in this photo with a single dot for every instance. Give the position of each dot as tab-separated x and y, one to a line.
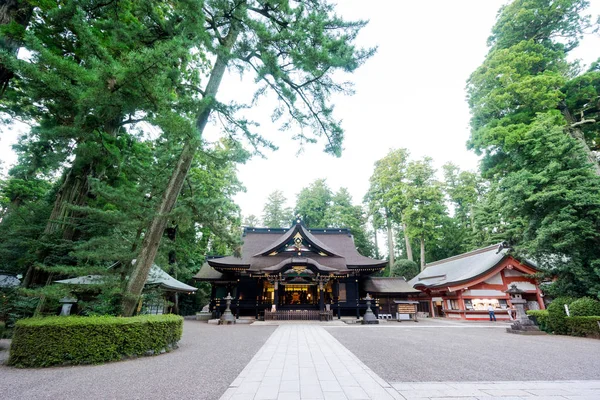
276	294
321	297
357	299
538	296
337	288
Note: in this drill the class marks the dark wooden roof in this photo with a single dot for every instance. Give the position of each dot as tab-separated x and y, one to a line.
374	284
326	250
208	273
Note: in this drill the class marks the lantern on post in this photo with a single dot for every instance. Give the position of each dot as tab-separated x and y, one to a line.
522	325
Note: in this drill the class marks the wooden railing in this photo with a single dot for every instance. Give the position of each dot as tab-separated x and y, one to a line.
298	315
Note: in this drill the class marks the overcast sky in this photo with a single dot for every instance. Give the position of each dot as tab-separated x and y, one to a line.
410	94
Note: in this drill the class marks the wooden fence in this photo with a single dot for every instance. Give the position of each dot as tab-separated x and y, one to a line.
298	315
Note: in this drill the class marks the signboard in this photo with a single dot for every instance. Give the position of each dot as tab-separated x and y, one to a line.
407	308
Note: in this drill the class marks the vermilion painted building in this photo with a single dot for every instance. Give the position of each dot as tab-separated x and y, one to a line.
465	285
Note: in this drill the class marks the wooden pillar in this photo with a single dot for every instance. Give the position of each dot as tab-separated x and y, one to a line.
213	291
276	294
337	291
357	299
461	305
538	296
259	295
321	297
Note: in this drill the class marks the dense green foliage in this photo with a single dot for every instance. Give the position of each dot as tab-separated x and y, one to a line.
541	318
405	268
117	96
275	213
557	315
584	326
585	307
43	342
439	217
534	119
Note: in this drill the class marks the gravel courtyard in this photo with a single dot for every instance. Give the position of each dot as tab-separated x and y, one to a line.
438	350
208	359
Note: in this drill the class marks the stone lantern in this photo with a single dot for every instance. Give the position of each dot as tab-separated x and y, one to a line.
522	324
227	317
67	304
369	317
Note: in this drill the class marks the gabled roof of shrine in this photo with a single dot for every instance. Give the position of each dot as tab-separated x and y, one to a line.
461	268
266	250
379	284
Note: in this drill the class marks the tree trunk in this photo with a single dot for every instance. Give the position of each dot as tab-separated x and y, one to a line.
157	226
73	192
576	133
409	253
12	11
375	239
390	235
422	253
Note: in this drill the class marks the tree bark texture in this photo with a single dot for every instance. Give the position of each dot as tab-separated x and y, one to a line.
390	237
375	240
409	253
154	233
576	133
422	253
20	12
73	192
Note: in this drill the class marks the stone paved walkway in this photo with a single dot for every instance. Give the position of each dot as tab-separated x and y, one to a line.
306	362
500	390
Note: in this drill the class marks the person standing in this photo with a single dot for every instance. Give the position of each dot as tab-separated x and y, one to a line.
491	312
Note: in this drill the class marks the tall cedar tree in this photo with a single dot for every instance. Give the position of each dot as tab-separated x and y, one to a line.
535	118
425	203
386	198
343	214
293	51
312	204
275	213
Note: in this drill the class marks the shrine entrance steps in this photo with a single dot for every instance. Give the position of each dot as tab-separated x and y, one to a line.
298	315
283	323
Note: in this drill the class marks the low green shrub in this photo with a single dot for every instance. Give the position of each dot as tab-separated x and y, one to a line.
541	318
557	315
42	342
584	326
584	307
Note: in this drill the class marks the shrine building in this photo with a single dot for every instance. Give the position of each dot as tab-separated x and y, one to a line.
318	271
464	286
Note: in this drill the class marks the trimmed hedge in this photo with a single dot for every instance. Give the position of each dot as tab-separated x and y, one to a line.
557	315
541	318
584	326
43	342
584	307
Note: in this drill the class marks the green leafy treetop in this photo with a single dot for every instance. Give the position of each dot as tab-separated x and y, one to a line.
386	198
312	204
425	202
275	214
292	51
534	119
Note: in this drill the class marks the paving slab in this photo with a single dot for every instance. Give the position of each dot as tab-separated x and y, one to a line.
514	390
315	366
